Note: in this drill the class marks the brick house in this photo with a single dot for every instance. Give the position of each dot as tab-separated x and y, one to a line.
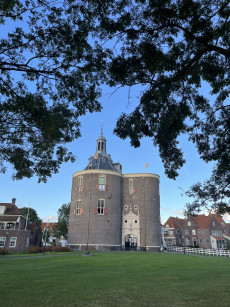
173	226
218	229
13	236
204	231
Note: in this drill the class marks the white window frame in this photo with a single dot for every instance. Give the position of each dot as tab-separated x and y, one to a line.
130	186
2	241
78	207
101	183
13	241
189	223
80	183
186	232
101	207
194	232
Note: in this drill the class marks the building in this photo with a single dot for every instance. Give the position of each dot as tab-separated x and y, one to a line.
199	231
13	236
113	211
173	234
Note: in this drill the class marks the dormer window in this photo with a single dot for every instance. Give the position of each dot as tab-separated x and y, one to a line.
2	210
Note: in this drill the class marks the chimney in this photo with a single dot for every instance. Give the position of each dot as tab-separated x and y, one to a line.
13	201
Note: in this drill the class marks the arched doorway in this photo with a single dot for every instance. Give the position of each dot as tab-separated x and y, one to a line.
130	243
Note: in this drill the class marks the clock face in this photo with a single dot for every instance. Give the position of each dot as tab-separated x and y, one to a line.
96	156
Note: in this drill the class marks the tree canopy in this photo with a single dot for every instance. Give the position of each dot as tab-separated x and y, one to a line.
32	215
60	229
171	48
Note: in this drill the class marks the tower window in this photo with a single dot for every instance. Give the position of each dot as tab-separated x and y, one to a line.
102	145
101	183
99	146
79	208
131	189
80	186
101	206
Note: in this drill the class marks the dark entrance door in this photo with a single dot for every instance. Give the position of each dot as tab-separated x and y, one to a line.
130	243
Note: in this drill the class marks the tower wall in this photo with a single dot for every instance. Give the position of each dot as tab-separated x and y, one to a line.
145	200
100	231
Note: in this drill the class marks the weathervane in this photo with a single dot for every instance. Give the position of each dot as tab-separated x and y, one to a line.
102	126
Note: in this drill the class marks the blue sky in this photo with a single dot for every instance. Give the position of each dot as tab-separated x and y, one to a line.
47	198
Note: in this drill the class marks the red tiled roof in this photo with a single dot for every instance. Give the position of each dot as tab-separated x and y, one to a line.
202	221
8	218
11	209
47	224
174	222
218	218
218	238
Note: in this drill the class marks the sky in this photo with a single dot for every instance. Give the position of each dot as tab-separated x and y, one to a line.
47	198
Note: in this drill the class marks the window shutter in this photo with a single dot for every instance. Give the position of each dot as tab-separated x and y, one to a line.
95	211
97	186
83	187
105	211
74	211
76	188
133	190
106	187
81	211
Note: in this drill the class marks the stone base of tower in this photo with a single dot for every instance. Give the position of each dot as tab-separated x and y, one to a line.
153	249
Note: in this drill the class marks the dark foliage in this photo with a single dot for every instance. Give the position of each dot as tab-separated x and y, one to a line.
170	48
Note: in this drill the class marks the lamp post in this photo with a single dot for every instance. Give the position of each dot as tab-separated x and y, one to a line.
143	183
87	240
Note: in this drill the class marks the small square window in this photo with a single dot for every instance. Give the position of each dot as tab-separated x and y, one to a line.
135	221
13	242
2	241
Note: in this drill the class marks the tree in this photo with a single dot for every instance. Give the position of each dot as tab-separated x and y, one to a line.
47	81
60	229
171	48
32	215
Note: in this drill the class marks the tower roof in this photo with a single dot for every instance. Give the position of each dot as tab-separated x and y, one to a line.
102	160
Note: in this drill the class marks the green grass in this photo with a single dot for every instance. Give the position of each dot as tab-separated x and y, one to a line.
115	279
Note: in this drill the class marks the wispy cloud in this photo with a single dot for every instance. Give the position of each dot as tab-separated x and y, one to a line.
51	219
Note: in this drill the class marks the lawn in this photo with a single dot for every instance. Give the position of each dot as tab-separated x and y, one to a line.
115	279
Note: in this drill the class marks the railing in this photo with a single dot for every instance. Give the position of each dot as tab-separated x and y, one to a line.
200	251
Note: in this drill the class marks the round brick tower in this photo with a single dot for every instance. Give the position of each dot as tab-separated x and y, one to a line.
111	210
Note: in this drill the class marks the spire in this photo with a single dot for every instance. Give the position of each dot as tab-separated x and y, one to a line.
101	144
102	127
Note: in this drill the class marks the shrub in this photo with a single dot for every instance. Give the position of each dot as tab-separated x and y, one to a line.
34	249
61	249
3	251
